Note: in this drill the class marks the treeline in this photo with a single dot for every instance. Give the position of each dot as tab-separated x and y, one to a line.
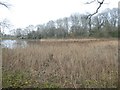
104	24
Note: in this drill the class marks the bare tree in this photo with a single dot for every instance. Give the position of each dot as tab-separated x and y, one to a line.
66	25
5	24
96	11
98	21
60	30
50	26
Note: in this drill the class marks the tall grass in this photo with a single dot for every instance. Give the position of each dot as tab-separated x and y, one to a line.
73	64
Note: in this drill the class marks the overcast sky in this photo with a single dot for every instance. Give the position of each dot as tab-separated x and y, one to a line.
26	12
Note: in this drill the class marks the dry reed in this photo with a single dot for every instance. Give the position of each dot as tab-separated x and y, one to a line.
74	64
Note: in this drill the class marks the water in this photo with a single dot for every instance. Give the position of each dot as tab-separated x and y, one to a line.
13	43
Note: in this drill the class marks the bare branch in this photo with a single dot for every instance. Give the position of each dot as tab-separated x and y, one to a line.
4	4
90	15
90	2
100	4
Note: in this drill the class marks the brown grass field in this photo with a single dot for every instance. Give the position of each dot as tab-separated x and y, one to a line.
71	63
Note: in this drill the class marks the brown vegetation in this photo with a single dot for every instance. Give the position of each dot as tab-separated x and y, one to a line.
80	63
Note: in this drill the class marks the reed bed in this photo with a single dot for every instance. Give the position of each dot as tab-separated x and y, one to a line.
62	64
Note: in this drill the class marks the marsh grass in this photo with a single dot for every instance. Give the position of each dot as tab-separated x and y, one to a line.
53	64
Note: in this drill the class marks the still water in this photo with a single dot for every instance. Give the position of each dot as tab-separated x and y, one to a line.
13	43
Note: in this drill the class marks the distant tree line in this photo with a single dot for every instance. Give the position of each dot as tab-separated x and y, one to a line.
103	24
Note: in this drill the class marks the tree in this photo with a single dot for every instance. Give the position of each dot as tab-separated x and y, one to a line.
66	25
105	23
75	23
18	32
2	24
30	28
90	15
41	30
114	17
5	24
78	25
50	26
60	30
98	21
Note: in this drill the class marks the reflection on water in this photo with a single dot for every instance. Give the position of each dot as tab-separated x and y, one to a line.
13	43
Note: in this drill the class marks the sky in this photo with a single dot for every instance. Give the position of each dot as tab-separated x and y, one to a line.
33	12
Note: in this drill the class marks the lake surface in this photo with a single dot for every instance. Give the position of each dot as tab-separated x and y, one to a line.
13	43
